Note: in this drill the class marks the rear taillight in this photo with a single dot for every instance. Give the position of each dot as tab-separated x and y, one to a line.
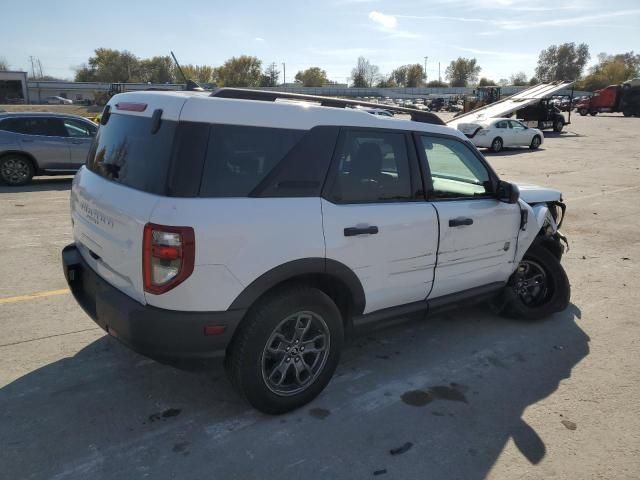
168	256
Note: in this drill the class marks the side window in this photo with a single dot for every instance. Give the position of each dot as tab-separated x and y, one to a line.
76	128
15	125
502	124
516	125
455	170
371	167
49	127
239	157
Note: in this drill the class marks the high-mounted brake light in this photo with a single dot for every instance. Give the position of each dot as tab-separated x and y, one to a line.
168	257
131	106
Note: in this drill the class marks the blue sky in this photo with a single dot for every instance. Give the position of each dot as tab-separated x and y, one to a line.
504	35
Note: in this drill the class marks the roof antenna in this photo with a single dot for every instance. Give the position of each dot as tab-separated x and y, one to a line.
189	84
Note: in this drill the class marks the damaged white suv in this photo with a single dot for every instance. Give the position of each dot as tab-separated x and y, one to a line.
238	225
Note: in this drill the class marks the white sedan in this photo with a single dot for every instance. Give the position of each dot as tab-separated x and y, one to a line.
498	133
59	101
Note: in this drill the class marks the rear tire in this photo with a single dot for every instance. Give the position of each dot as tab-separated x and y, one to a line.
267	362
593	114
535	142
497	145
583	112
538	288
627	112
16	170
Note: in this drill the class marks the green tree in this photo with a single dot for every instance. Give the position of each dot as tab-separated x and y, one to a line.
3	64
562	62
270	76
158	70
108	65
612	70
518	79
312	77
243	71
410	76
198	73
386	83
436	84
462	71
533	81
364	74
485	82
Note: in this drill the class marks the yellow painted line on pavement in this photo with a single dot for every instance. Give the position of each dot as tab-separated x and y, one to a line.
31	296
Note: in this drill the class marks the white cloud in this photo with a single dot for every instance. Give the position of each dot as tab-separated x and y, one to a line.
565	22
388	22
259	39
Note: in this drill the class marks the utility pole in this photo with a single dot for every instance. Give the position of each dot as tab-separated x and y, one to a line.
33	73
439	77
425	69
284	73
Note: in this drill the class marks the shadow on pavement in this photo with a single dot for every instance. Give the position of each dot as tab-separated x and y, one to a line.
425	399
40	184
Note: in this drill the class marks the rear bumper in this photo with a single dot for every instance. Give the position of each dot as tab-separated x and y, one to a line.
148	330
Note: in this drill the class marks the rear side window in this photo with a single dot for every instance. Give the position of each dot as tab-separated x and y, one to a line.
48	127
239	157
125	151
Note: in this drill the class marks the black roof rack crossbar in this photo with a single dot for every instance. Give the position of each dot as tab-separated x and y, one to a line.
271	96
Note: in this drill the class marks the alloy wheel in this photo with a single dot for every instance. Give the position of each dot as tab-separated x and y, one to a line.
295	353
531	283
15	170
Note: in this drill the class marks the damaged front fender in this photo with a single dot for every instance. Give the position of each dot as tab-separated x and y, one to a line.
541	224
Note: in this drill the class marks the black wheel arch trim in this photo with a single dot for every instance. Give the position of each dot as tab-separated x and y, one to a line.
300	268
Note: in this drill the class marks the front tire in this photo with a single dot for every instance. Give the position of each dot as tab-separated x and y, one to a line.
583	112
497	145
286	350
538	288
535	142
16	170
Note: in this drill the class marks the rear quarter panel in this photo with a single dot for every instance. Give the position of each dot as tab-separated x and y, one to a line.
237	240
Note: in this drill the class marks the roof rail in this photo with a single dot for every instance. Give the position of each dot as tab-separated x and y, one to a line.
271	96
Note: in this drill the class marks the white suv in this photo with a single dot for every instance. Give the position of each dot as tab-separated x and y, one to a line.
263	231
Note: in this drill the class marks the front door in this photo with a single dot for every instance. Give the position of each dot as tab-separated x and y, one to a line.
520	133
80	136
376	220
477	232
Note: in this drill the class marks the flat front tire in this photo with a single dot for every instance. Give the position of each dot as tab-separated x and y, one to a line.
16	170
538	288
286	350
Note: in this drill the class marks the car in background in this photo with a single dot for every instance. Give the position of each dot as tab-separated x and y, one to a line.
499	133
42	144
59	101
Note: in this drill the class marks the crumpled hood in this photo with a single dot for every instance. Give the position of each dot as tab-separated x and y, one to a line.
536	194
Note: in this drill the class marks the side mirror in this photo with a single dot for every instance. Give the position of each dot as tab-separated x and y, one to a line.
508	192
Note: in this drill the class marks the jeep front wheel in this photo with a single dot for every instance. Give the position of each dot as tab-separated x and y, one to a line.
538	288
286	350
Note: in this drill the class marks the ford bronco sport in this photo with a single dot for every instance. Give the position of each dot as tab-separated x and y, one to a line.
239	225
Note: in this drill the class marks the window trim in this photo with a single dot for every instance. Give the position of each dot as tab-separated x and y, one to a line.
426	170
416	184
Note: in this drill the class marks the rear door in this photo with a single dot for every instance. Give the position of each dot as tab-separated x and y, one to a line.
45	139
114	195
80	134
477	232
375	217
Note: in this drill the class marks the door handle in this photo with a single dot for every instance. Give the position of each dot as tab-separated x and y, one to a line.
353	231
459	222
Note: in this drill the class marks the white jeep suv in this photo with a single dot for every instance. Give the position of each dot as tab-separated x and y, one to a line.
238	225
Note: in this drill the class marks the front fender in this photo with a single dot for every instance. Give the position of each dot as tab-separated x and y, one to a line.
536	216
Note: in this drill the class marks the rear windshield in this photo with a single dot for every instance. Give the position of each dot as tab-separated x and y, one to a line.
125	151
188	159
